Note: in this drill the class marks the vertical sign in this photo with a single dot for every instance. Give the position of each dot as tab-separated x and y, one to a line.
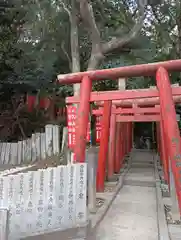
51	199
71	123
61	196
18	199
11	205
29	204
41	200
98	128
71	184
81	193
71	111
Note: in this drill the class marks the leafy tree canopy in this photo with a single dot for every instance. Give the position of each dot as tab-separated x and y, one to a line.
35	38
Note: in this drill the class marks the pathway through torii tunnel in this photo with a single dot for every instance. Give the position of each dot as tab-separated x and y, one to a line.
120	109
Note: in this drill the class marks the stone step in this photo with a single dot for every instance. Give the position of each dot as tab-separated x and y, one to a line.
142	165
139	183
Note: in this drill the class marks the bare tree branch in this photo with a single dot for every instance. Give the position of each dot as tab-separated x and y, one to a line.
134	13
100	50
74	62
65	8
120	42
74	38
66	54
87	15
88	18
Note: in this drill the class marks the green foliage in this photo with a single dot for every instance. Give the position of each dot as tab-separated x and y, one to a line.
35	40
11	21
27	50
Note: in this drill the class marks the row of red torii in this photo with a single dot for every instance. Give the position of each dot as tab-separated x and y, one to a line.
120	108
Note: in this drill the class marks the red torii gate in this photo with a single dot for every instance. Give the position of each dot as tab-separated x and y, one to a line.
115	73
138	94
167	117
128	115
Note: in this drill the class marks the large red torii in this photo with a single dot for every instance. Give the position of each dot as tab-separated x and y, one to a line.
86	79
167	117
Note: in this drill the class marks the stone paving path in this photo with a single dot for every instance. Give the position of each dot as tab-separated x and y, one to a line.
133	214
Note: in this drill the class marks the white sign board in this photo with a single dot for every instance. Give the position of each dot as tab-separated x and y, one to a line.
45	200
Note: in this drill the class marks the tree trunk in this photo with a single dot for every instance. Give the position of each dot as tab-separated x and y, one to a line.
75	45
178	20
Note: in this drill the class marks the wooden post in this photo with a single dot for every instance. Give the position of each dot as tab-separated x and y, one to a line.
171	127
164	152
112	145
119	148
83	119
104	143
121	152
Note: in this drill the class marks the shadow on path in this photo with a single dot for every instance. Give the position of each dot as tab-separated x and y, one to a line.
84	233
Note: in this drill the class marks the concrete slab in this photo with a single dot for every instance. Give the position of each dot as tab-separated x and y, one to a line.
143	156
139	183
141	170
142	165
109	199
140	174
132	216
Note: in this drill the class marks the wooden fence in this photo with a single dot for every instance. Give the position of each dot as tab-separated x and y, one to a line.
44	200
38	147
